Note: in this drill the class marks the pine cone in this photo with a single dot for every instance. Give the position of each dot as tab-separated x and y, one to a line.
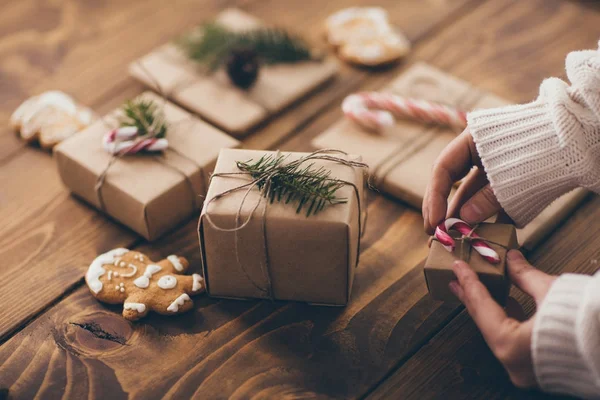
242	67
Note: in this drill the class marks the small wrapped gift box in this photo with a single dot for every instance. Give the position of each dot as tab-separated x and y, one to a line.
268	249
438	267
150	193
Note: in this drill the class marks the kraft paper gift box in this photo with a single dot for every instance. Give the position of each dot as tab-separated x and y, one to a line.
150	193
401	157
438	267
310	259
215	98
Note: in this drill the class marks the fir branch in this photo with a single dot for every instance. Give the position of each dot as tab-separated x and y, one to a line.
311	188
272	45
144	115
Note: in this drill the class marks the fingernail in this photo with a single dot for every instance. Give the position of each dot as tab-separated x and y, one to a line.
457	266
453	287
515	255
470	212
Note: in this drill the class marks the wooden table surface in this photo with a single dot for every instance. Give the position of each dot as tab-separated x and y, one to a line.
391	341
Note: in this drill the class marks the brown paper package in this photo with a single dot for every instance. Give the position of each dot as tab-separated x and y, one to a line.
151	194
310	259
401	158
215	98
438	267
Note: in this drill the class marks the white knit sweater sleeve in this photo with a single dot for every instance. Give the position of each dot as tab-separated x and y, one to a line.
533	153
566	337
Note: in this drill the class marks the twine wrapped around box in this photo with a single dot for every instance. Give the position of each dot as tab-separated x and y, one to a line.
150	193
242	241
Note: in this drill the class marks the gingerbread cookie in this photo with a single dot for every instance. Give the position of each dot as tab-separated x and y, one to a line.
131	278
364	36
50	118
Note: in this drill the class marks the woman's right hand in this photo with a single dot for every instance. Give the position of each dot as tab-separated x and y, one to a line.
474	200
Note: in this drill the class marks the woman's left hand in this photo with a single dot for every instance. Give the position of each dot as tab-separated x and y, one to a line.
508	338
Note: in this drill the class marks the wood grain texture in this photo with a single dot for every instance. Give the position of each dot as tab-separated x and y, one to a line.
237	349
79	348
81	47
84	48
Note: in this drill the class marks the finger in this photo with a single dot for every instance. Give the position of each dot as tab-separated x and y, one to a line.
481	206
486	313
527	278
453	163
475	180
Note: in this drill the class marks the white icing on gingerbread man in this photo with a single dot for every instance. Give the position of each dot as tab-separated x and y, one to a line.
129	277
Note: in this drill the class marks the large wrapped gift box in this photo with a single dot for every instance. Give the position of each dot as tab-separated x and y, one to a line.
150	193
215	98
280	254
438	267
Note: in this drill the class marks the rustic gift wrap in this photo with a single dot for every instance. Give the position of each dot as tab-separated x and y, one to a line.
150	193
438	267
401	157
279	253
215	98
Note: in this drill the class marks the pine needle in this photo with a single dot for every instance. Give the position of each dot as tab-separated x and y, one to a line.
144	115
272	45
309	187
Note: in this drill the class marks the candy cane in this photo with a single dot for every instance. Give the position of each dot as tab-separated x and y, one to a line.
480	246
125	140
375	111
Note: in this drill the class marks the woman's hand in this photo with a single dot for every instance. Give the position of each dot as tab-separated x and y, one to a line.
474	200
509	339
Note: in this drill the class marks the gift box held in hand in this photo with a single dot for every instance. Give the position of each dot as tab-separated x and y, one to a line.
284	246
149	192
497	239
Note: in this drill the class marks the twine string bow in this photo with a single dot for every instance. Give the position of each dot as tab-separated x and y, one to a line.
264	182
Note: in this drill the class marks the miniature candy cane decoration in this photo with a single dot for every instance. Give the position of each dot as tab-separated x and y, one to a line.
375	111
125	140
480	246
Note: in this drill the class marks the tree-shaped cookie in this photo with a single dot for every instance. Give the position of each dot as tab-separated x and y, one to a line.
131	278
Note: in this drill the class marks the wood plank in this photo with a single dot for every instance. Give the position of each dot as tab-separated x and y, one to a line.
46	232
457	363
235	348
242	349
82	48
48	236
71	62
76	44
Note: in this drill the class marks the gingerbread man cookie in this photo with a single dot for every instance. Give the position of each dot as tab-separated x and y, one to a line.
131	278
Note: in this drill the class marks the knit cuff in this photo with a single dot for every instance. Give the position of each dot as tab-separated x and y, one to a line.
558	362
520	152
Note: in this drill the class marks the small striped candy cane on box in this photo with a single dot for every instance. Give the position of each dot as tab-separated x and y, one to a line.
443	236
375	111
125	140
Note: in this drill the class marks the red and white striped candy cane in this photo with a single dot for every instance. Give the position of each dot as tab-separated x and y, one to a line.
375	111
125	140
480	246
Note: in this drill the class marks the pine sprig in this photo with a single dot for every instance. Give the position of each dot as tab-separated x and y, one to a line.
144	115
272	45
311	188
